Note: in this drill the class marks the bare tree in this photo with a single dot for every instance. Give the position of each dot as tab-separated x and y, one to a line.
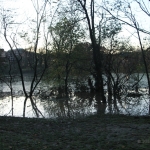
11	41
89	12
125	8
8	80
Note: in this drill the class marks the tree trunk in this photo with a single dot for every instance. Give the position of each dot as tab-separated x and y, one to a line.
96	47
98	69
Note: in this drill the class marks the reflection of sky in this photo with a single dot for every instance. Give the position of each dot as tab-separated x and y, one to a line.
49	109
54	109
132	106
5	107
76	107
78	104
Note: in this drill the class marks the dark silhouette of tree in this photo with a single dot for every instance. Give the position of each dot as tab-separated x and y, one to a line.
89	13
8	22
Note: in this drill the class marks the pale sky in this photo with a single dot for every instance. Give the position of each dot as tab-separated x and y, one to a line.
25	11
142	19
22	7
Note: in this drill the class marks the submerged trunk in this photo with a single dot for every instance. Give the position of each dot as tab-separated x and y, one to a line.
109	88
24	106
90	83
90	17
98	70
101	107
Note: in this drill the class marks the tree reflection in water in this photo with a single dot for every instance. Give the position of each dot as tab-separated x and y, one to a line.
78	104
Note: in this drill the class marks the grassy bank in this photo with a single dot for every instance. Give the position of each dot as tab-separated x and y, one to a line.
101	132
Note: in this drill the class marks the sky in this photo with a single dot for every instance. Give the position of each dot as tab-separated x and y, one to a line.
19	6
25	12
24	16
142	19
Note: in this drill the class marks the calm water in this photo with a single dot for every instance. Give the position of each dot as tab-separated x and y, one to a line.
79	104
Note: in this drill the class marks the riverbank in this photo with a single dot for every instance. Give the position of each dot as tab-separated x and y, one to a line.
101	132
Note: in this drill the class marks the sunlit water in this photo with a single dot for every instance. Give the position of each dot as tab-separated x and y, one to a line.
78	104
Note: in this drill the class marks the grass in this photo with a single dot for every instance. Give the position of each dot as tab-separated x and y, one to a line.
97	132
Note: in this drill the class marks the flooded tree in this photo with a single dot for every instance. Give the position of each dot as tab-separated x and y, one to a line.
89	11
11	39
66	35
126	9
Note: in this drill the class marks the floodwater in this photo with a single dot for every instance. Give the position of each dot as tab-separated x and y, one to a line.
77	105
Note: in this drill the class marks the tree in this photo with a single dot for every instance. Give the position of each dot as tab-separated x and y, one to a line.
89	12
126	9
8	22
66	35
110	30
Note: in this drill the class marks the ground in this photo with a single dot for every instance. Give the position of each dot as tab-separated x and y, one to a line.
96	132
